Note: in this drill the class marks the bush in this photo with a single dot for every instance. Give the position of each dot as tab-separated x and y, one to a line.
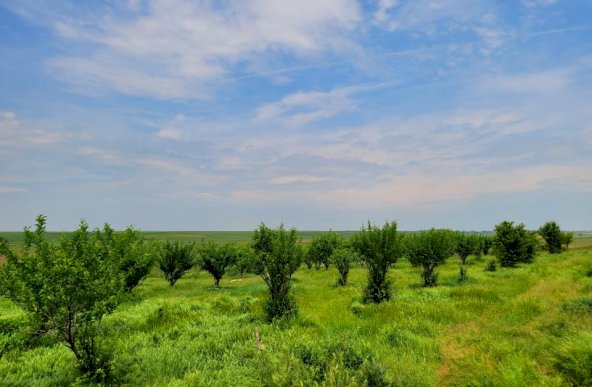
278	255
429	249
135	257
566	239
245	260
466	244
379	248
321	248
553	237
342	258
491	265
175	260
67	288
215	259
513	244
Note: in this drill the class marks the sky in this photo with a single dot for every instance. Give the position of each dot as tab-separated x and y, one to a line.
217	115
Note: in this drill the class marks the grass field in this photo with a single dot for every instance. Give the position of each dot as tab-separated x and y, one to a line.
527	326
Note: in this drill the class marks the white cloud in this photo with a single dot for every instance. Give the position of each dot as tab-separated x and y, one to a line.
545	82
148	54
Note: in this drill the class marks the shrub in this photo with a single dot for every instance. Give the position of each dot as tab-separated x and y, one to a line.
175	260
429	249
135	257
553	237
342	258
379	248
215	259
278	255
244	260
513	244
566	239
491	265
67	288
466	244
321	248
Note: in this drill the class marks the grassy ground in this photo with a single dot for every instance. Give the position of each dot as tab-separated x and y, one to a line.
526	326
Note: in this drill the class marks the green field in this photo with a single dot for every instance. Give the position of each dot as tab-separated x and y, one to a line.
526	326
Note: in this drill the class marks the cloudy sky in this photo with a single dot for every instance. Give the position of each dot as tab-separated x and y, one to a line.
198	115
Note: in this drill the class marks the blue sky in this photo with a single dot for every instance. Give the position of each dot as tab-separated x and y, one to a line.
319	114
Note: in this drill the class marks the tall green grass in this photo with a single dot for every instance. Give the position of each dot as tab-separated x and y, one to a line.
527	326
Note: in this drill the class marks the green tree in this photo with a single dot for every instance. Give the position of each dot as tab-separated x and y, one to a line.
566	239
215	259
278	254
134	255
466	244
343	258
321	248
245	259
67	288
513	244
176	259
552	235
379	248
429	249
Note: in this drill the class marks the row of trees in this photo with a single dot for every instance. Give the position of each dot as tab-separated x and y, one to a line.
67	287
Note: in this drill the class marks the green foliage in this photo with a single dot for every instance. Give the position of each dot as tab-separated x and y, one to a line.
513	244
278	257
429	249
467	244
134	255
553	237
343	258
245	259
215	259
566	239
67	288
175	259
486	243
379	248
491	265
321	248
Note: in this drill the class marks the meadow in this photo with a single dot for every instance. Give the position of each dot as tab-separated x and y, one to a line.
524	326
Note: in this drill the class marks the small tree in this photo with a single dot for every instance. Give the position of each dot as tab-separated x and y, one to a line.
278	253
552	235
513	244
379	248
215	259
429	249
343	258
245	259
487	243
135	257
566	239
175	259
321	248
466	244
67	288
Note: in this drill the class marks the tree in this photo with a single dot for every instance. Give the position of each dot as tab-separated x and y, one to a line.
278	253
429	249
566	239
321	248
67	288
134	255
513	244
245	257
215	259
343	258
379	248
175	259
466	244
552	235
